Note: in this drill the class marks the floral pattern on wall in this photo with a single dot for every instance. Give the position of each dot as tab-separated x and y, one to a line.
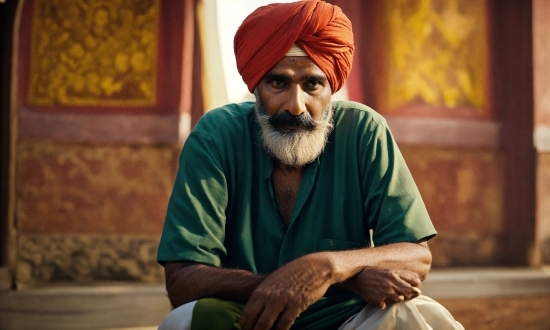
93	52
437	53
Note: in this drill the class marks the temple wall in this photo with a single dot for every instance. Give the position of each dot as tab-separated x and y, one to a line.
97	189
428	67
91	212
96	157
99	128
463	192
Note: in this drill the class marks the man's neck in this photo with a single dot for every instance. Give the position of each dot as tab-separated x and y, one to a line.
287	169
286	181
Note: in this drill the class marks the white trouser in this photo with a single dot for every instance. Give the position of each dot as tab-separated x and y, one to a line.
179	318
421	313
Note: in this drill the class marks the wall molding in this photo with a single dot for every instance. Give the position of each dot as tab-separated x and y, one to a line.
445	132
110	128
173	129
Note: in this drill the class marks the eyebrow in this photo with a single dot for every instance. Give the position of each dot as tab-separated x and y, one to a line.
286	77
279	76
320	78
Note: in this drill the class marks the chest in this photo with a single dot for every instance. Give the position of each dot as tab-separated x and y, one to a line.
286	186
274	217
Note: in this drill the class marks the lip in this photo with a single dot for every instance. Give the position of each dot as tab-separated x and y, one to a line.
290	128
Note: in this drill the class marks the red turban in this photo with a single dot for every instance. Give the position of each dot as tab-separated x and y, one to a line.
317	27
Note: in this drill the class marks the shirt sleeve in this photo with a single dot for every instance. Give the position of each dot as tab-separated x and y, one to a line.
392	203
194	228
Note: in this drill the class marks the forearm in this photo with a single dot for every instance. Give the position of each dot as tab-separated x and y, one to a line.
186	282
414	257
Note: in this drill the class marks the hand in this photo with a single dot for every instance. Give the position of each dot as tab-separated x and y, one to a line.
286	293
380	287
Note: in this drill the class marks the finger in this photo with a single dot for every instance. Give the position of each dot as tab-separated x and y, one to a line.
397	291
411	278
270	313
412	292
401	278
269	316
250	314
382	305
403	288
398	300
286	320
265	322
291	313
385	292
408	295
394	298
417	292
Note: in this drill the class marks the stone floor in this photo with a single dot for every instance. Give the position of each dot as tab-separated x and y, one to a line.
105	306
480	299
503	299
504	313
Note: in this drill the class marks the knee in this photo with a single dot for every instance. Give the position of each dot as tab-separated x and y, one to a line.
213	313
179	318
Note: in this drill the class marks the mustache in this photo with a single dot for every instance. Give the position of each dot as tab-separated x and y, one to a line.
284	118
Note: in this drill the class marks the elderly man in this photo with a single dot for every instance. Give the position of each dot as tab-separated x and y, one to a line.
270	219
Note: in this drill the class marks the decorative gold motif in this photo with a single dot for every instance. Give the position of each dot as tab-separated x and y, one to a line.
437	53
94	52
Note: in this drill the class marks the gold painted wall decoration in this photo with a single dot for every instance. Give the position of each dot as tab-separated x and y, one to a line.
93	52
437	53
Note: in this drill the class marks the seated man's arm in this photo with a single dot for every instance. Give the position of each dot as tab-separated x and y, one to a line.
186	282
381	275
411	257
387	274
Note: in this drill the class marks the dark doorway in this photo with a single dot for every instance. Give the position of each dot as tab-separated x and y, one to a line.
513	85
7	16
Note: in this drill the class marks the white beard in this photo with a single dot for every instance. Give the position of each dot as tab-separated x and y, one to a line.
297	147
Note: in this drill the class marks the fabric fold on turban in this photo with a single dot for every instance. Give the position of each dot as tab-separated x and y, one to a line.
319	28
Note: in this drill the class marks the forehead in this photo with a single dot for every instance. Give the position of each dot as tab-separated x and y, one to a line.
296	65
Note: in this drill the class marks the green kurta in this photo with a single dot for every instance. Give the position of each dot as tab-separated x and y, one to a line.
223	209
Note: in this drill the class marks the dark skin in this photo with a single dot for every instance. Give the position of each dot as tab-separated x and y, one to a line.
381	275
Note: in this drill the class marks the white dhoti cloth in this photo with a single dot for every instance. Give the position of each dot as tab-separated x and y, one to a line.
420	313
179	318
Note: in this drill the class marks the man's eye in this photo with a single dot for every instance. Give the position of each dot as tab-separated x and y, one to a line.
314	83
276	83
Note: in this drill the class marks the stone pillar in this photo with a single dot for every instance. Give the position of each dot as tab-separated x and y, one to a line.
541	81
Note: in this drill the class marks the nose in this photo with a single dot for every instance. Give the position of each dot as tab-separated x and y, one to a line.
295	102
